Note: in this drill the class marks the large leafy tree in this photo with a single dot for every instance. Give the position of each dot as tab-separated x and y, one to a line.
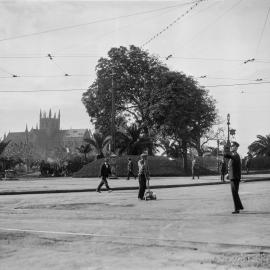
182	111
260	147
134	75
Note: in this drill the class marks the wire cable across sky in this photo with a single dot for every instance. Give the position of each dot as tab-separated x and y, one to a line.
172	23
93	22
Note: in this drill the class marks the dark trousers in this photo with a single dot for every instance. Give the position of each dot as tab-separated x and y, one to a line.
130	173
236	199
222	176
102	182
195	172
142	186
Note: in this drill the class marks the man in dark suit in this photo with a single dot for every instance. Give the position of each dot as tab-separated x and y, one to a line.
105	171
130	169
234	174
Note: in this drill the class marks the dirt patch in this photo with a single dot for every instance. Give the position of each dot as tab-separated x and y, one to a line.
11	236
71	206
244	260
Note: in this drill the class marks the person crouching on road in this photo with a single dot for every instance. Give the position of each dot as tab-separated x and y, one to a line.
142	175
234	174
105	171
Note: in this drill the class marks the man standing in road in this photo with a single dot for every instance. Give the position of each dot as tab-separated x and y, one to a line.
143	175
195	168
130	169
105	171
234	174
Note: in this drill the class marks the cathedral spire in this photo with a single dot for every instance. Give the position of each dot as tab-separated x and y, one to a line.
50	113
40	115
59	114
26	129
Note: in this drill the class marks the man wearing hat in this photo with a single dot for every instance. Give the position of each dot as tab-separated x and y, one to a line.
105	171
234	174
142	175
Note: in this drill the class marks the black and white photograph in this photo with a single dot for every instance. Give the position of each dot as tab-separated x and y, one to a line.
134	134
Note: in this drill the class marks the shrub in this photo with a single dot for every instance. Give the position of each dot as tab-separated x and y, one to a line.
158	166
259	163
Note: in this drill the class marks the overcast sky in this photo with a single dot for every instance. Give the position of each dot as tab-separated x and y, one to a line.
213	40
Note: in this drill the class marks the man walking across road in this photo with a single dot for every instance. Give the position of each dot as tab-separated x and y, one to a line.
234	173
105	171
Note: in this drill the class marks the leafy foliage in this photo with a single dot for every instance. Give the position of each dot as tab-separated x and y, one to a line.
162	103
84	149
3	145
99	143
182	111
133	141
260	147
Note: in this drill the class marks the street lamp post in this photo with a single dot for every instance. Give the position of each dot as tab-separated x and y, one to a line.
113	117
228	124
112	154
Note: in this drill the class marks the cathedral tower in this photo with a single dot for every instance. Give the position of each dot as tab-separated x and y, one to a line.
49	124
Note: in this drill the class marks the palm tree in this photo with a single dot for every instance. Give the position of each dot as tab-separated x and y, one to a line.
99	142
85	149
132	141
171	149
261	147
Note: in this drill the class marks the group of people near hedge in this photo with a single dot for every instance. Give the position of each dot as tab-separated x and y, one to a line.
234	174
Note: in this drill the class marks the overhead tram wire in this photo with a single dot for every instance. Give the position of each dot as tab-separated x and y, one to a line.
44	90
45	76
94	22
262	32
172	23
13	75
260	60
60	68
84	89
129	25
236	84
89	75
206	28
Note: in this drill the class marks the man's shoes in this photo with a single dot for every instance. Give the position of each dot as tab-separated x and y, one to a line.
109	190
98	191
242	208
235	212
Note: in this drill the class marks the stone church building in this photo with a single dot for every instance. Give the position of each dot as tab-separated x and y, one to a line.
46	141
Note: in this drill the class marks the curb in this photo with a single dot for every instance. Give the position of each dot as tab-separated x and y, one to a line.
124	188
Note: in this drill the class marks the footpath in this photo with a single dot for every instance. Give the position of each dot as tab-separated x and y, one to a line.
69	184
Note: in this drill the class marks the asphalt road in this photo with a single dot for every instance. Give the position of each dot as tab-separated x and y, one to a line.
186	228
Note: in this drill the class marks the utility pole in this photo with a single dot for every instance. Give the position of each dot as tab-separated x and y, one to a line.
113	117
228	123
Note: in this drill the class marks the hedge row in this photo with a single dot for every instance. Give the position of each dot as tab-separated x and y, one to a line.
158	166
259	163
